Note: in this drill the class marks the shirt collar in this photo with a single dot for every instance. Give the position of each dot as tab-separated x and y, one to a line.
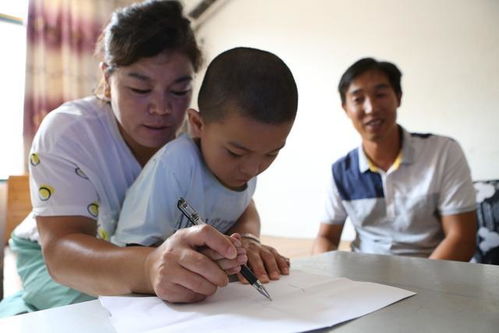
405	156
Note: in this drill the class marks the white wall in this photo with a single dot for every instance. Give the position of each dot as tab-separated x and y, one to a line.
448	51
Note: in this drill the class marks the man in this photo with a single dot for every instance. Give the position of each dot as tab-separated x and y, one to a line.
406	194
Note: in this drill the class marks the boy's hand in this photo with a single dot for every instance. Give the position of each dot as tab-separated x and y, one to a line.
265	261
179	273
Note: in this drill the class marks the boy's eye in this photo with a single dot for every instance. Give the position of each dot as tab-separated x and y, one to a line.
232	154
272	155
140	91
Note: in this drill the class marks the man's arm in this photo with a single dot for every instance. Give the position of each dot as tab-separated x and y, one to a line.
328	238
460	237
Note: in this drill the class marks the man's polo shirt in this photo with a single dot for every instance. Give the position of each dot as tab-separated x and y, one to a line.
398	211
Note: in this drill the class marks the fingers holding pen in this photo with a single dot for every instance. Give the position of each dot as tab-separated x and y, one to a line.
178	272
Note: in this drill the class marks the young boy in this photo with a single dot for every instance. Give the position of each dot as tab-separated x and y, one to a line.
247	106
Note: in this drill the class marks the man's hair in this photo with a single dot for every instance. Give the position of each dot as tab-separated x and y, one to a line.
367	64
255	83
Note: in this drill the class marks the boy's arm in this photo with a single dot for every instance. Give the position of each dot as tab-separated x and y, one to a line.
265	261
460	237
328	238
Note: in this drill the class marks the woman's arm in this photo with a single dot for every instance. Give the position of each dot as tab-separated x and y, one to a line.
175	271
265	261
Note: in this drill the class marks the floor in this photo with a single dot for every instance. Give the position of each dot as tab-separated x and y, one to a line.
289	247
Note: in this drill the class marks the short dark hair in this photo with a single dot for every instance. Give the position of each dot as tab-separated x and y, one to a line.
146	29
253	82
367	64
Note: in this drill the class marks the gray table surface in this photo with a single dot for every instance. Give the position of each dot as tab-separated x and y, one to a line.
451	297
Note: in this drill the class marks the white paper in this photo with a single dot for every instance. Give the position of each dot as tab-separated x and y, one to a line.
301	301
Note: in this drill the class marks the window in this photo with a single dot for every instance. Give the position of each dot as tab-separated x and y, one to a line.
12	67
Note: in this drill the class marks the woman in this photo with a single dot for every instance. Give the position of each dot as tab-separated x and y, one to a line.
88	152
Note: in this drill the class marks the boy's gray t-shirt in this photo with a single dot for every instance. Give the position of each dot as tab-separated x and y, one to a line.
150	214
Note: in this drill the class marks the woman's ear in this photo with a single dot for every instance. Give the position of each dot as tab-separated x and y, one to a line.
104	83
103	68
195	123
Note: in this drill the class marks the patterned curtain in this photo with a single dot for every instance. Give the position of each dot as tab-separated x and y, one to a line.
60	64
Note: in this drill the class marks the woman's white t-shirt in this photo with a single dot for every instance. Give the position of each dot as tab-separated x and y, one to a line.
79	166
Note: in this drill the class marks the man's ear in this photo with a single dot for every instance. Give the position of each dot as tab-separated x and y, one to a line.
344	107
399	97
195	123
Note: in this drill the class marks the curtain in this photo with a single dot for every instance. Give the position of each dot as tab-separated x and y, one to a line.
60	61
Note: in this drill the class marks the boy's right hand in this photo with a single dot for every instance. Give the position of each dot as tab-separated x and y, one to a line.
178	272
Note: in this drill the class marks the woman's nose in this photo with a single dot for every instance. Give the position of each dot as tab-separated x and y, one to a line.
160	106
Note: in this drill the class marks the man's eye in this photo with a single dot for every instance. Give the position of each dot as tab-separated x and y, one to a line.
140	91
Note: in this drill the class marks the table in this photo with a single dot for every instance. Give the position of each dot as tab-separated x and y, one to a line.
451	297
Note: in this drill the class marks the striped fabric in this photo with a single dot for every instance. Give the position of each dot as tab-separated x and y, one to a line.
60	64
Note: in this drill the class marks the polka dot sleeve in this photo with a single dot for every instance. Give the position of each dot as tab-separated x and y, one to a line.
60	187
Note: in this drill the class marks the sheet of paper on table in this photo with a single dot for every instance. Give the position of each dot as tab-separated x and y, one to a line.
301	302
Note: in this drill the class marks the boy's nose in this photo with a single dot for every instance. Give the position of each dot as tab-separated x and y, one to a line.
250	169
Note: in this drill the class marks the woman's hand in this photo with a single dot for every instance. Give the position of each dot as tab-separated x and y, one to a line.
265	261
230	266
180	273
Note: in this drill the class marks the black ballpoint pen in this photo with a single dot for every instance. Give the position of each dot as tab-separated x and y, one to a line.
195	219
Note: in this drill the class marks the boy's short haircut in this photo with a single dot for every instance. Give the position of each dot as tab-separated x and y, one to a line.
252	82
367	64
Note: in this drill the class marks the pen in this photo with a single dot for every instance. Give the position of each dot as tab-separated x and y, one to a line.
195	219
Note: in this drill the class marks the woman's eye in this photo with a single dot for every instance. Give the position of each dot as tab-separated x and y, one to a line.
140	91
181	93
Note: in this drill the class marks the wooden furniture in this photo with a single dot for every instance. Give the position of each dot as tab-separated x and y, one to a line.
18	203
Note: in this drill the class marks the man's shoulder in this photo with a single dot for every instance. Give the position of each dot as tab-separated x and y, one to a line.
429	137
348	162
431	142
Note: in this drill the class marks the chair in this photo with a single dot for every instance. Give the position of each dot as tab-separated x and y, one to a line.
18	207
487	197
18	203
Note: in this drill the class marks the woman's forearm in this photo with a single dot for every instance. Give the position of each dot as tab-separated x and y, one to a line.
76	258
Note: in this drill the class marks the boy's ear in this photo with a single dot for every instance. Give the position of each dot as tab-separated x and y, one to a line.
195	123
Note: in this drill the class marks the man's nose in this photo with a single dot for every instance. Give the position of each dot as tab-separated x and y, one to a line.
369	105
